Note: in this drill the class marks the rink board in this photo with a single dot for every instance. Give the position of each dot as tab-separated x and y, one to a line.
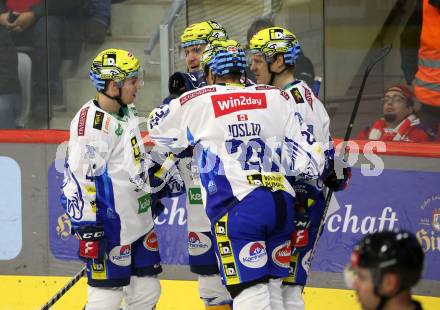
39	244
20	293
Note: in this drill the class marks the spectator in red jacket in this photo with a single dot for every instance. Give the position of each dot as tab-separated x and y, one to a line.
399	123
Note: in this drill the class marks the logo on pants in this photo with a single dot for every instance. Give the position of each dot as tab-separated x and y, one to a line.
121	255
150	241
195	196
225	248
281	255
230	270
220	228
254	255
198	243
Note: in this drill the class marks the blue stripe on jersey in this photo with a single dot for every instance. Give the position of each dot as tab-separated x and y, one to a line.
294	147
190	137
219	195
105	205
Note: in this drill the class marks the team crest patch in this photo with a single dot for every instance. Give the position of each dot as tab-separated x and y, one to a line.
119	130
296	94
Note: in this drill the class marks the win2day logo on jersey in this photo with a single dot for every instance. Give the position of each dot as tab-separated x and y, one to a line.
229	103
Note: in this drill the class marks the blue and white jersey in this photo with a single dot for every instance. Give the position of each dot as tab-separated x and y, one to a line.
243	138
105	181
315	117
311	108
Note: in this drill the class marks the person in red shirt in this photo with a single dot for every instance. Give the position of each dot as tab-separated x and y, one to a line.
399	122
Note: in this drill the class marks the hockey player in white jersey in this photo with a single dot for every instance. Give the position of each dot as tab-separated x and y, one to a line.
274	52
193	42
104	190
202	259
246	140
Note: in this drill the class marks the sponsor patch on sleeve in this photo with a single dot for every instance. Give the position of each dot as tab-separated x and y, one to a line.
308	95
296	94
82	121
284	94
107	124
264	87
195	94
98	120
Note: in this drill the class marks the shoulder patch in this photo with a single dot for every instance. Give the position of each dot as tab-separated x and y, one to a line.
195	94
264	87
82	121
107	124
296	94
308	95
284	94
98	120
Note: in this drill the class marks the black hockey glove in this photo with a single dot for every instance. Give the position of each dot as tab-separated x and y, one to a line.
338	176
181	82
91	242
300	236
157	207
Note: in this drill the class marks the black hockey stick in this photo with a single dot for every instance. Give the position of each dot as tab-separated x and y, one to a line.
64	290
382	53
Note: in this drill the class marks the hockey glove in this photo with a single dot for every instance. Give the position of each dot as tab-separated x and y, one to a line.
91	242
338	176
180	82
157	207
300	236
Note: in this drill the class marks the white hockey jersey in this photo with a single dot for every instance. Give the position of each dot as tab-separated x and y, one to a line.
197	220
243	137
311	108
105	174
317	121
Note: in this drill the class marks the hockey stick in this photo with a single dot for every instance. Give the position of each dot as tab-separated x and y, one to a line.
64	290
382	53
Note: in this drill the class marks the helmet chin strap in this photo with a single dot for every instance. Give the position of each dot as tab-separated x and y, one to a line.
273	74
117	98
